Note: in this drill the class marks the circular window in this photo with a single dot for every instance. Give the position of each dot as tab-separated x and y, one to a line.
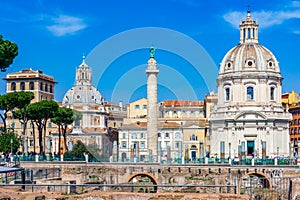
229	65
250	63
270	64
78	97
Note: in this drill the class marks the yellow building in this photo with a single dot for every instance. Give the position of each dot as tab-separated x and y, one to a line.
290	98
37	82
137	110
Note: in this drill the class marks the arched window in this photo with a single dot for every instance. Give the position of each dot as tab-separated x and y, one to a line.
227	94
22	86
46	87
41	86
167	135
250	93
50	89
249	33
31	86
177	135
13	86
272	93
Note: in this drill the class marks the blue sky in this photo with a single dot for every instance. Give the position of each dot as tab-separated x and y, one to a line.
53	35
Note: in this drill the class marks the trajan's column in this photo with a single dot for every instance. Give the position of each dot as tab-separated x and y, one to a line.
152	72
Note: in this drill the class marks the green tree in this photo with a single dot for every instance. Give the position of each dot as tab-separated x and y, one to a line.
12	100
8	51
62	118
40	112
5	142
23	99
78	150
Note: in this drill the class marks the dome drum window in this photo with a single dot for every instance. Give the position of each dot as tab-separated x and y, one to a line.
250	63
271	64
228	65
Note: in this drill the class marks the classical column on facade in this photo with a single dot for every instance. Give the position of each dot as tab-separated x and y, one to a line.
152	114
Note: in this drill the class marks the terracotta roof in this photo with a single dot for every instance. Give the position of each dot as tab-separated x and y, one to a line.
201	123
182	103
94	130
139	125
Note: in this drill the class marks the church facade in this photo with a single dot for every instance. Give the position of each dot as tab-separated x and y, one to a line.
92	128
249	119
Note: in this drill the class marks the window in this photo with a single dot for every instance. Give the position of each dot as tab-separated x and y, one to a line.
124	135
167	144
142	135
13	86
194	137
137	107
159	135
177	145
272	91
22	125
31	143
142	145
22	86
50	124
50	89
77	123
31	125
177	135
133	136
46	87
124	145
250	93
41	86
227	94
167	135
144	106
31	86
249	33
159	145
13	125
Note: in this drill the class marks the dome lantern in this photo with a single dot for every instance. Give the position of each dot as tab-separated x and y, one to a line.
248	30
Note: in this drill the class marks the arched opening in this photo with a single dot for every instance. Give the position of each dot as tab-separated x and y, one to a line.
123	157
144	182
253	181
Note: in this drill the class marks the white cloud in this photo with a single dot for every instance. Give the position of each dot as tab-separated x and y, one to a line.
264	18
296	32
64	25
294	4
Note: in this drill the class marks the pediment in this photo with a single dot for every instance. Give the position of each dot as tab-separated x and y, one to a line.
250	115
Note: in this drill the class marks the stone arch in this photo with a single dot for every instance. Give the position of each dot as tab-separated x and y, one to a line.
257	173
152	178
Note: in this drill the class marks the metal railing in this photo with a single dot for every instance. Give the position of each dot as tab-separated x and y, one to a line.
209	161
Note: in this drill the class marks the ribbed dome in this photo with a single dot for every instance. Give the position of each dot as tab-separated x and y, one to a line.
83	92
249	57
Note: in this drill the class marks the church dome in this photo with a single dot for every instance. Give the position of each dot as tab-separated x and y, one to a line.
249	55
83	92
